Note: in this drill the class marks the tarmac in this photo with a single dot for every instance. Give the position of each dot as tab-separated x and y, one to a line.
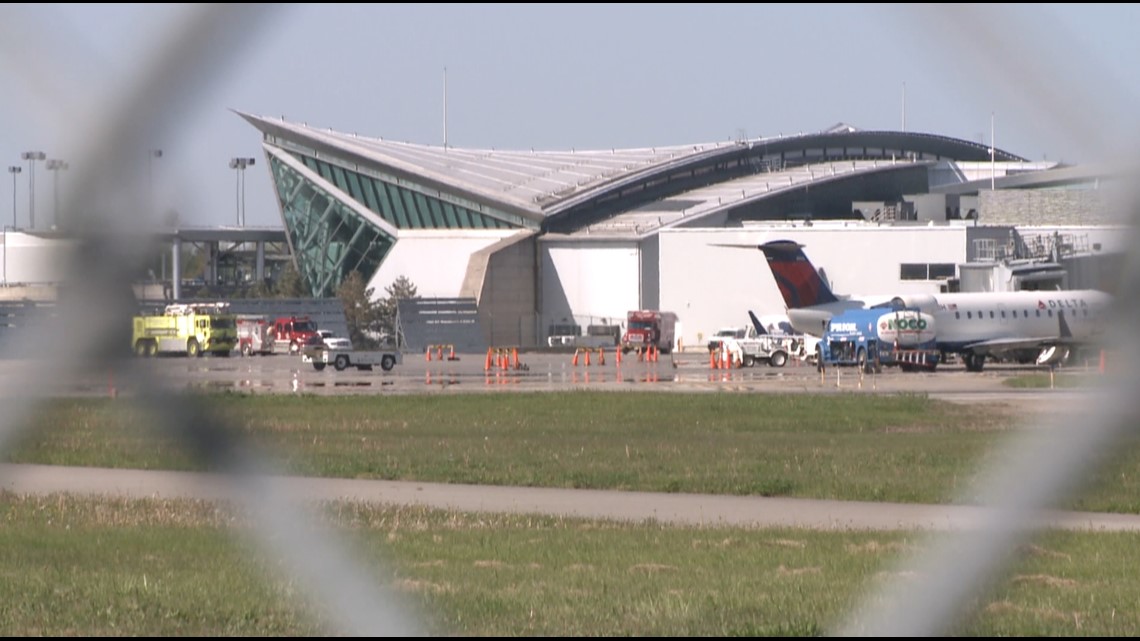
476	373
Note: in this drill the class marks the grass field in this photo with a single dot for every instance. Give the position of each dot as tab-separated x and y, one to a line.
905	448
75	566
184	568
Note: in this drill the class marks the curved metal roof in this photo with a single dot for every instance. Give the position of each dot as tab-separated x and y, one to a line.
543	184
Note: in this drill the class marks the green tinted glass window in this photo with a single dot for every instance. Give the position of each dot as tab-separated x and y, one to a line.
398	205
427	213
339	179
354	187
460	214
329	238
414	217
446	213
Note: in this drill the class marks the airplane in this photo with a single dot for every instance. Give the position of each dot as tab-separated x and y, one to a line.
1045	323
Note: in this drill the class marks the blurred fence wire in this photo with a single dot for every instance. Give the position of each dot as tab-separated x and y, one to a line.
96	303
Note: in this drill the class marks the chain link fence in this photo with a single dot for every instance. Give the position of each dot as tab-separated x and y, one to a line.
110	206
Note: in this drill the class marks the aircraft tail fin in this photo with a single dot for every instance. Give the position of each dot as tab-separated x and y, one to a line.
760	331
799	282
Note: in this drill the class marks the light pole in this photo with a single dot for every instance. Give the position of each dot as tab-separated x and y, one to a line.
55	166
239	165
6	228
150	156
32	157
14	170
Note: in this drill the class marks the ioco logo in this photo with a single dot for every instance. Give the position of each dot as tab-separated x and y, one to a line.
907	324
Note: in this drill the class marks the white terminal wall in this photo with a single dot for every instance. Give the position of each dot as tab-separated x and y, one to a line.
586	281
434	260
32	260
711	286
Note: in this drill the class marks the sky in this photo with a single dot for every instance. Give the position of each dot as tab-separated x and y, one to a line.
1054	82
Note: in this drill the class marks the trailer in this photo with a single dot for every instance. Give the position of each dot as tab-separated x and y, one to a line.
342	359
873	338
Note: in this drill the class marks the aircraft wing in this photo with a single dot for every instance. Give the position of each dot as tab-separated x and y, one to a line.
1002	345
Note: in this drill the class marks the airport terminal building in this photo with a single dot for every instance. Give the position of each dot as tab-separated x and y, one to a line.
542	243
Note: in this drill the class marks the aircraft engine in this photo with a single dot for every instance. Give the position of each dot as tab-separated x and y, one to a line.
924	302
1052	355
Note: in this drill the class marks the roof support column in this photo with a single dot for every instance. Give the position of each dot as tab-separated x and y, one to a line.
176	269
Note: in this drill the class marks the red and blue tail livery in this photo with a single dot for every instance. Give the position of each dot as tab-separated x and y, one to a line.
800	284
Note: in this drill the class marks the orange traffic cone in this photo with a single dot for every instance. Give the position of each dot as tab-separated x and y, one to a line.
601	356
515	358
617	355
427	354
487	365
575	361
712	359
587	358
441	352
451	356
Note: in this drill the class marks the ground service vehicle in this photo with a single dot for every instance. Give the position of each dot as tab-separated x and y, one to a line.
647	327
192	329
748	348
290	333
751	345
342	359
872	338
253	335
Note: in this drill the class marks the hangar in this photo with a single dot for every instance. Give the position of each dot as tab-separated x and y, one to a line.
539	243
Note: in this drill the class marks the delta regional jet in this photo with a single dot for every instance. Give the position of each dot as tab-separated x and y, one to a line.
1038	325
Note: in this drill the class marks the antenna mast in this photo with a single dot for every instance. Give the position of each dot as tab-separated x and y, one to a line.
445	108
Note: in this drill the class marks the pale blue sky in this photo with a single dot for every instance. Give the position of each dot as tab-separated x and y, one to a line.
1061	81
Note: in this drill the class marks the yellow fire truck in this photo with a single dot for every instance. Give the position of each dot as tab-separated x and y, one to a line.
192	329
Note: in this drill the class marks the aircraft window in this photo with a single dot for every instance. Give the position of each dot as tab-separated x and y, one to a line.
1003	313
1050	313
991	313
1038	313
969	314
1025	313
957	314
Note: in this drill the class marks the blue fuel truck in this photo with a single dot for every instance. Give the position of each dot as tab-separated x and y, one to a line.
878	337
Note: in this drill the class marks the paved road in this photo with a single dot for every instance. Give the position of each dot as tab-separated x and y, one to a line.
680	509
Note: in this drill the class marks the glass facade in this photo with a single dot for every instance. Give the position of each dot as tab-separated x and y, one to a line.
402	207
329	239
